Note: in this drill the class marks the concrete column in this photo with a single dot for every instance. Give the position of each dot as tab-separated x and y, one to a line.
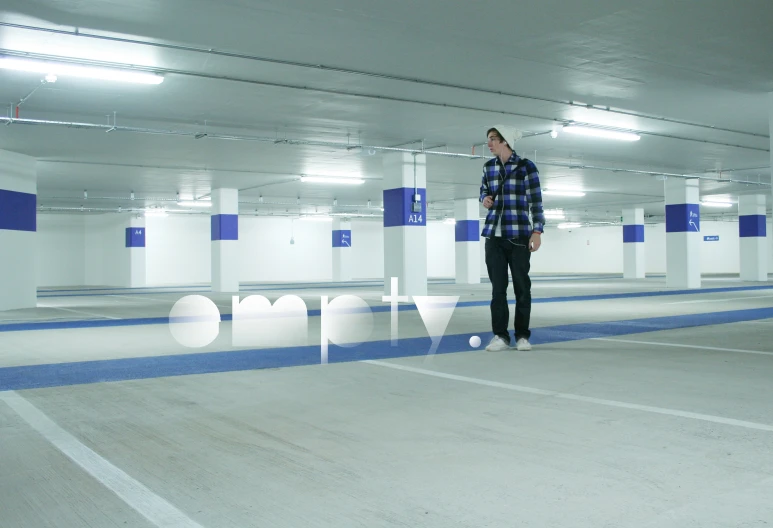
752	228
467	238
18	228
135	233
405	223
770	124
634	261
225	239
683	238
342	250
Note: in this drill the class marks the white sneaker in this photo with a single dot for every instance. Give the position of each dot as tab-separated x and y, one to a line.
523	344
497	344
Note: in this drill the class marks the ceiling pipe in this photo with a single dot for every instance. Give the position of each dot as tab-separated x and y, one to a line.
651	173
126	198
91	209
562	122
319	67
265	201
344	146
83	209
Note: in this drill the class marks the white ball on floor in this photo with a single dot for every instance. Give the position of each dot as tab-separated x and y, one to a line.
475	341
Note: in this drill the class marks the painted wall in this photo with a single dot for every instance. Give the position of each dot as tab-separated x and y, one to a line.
74	250
61	254
107	262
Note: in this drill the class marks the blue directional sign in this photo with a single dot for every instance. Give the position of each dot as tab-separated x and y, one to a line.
342	238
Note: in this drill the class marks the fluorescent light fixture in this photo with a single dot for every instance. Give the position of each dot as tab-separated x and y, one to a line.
159	214
601	133
711	203
569	225
60	69
563	193
194	203
326	179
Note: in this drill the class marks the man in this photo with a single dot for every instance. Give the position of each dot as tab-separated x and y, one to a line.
510	190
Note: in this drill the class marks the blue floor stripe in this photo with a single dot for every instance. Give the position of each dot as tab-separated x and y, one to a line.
87	323
105	323
79	373
322	283
633	295
199	288
156	290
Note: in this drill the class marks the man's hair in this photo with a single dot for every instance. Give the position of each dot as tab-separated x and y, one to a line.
490	130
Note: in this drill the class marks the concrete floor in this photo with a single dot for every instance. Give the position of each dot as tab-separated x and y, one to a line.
617	418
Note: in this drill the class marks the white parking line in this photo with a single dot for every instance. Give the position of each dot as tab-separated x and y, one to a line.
81	312
145	502
678	345
577	397
139	300
170	302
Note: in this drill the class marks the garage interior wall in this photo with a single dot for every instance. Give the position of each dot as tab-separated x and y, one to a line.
87	250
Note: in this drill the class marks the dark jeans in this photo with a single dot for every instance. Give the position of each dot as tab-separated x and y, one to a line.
501	255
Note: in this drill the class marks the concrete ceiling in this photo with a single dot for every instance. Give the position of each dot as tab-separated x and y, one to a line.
692	78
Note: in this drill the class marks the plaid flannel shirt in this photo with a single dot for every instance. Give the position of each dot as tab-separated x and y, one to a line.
511	200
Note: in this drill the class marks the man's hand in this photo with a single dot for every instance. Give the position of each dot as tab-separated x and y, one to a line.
488	202
535	241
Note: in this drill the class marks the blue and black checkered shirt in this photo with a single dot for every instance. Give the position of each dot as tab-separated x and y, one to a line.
520	194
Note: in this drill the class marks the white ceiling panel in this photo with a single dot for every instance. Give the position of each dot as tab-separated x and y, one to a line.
294	85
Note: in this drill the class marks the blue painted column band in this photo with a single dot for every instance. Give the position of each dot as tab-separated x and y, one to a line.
225	227
398	211
18	211
467	231
681	218
752	226
342	238
633	233
135	237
